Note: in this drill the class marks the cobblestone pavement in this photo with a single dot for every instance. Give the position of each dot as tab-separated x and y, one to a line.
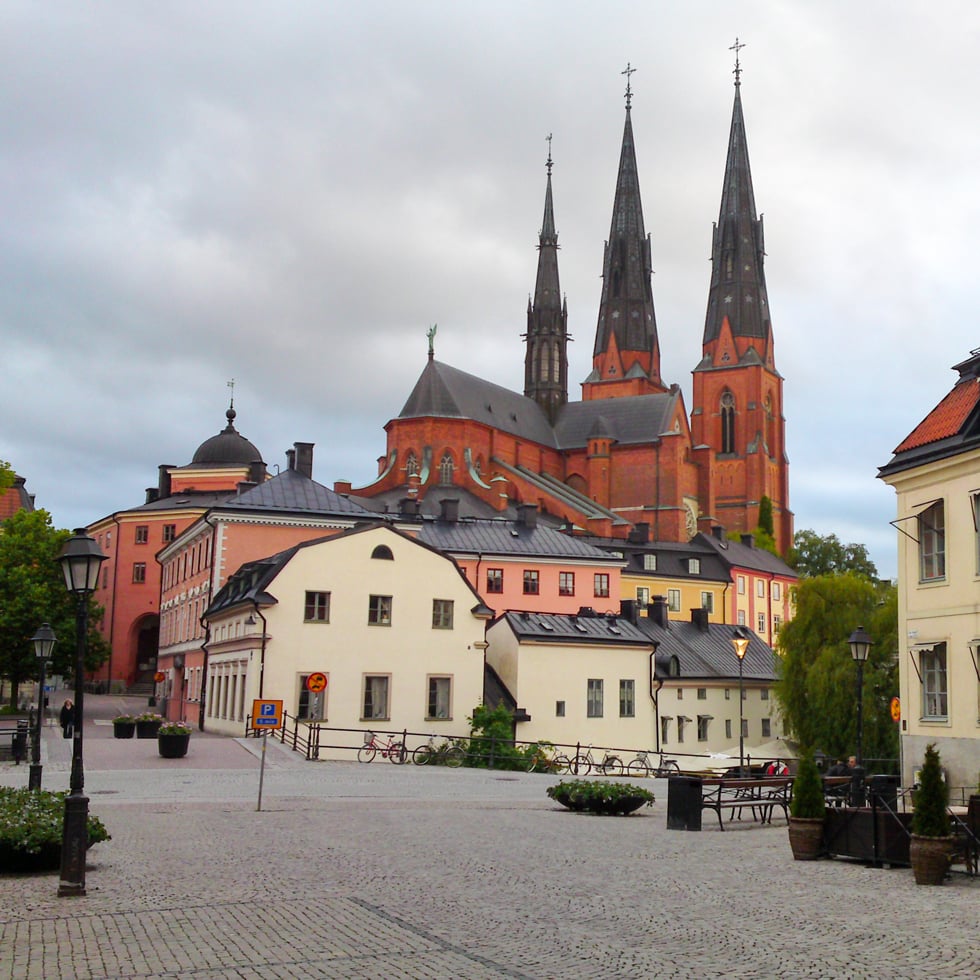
385	871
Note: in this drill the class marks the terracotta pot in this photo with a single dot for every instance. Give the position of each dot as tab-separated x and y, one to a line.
930	858
806	838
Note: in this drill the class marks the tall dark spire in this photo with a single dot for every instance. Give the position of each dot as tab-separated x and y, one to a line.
546	359
738	282
626	341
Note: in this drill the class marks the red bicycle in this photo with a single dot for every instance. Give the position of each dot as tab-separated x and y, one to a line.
392	751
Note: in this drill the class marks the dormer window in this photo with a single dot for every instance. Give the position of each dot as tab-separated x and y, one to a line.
694	566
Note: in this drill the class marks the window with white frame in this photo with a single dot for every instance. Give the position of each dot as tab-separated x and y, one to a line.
602	585
741	585
566	583
776	592
741	617
760	588
531	581
762	623
627	698
649	563
379	610
142	533
316	608
495	580
932	542
777	623
439	701
375	697
593	702
642	596
708	601
674	600
694	566
935	691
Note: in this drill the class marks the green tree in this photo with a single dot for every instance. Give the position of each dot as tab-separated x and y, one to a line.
817	684
6	476
814	554
32	591
765	516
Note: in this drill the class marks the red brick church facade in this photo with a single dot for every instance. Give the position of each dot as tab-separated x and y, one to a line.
628	453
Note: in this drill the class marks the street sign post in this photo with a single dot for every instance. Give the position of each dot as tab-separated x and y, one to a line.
266	717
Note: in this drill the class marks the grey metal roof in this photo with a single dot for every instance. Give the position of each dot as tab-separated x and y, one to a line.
733	552
558	628
632	419
553	486
227	448
446	392
476	537
672	559
292	491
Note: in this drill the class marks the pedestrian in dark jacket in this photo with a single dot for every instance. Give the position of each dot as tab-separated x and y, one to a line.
67	718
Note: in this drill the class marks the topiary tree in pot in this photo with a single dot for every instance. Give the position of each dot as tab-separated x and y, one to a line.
931	847
806	811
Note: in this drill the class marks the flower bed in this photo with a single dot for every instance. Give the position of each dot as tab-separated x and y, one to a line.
31	823
600	796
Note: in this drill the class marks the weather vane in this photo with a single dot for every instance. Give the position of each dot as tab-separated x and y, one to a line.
431	334
231	384
548	138
736	47
629	91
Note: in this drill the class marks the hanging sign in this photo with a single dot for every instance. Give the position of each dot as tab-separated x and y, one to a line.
896	709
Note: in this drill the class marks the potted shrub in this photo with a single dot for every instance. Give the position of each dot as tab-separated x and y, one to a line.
600	796
124	726
31	824
148	724
806	811
173	739
931	848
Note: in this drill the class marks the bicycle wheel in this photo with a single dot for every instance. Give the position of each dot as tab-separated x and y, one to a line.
366	753
455	756
667	768
581	766
422	755
397	753
560	764
611	765
637	768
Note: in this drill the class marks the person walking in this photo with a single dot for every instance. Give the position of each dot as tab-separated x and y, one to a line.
67	718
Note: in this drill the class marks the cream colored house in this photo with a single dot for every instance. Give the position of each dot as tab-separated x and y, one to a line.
393	625
936	475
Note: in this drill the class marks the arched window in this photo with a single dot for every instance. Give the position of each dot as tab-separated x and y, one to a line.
411	464
555	363
545	362
728	422
446	469
384	552
770	427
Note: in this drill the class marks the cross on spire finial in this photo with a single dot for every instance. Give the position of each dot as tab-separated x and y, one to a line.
231	384
736	47
629	91
548	138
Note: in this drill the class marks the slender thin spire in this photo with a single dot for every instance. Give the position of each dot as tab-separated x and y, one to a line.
736	47
738	282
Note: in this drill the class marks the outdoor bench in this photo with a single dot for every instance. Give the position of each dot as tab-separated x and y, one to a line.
760	796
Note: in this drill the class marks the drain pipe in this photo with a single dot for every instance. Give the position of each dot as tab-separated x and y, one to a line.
258	612
656	683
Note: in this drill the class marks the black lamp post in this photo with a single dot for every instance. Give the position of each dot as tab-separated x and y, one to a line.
44	641
740	640
860	644
80	561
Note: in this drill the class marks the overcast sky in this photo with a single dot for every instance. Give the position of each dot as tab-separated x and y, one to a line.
291	194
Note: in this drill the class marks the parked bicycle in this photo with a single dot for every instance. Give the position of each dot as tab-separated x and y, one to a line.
393	751
542	759
584	763
448	753
644	765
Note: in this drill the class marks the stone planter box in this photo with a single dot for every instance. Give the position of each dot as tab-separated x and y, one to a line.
123	729
173	746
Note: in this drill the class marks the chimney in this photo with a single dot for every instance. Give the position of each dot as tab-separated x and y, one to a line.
342	487
245	485
409	506
748	540
414	482
586	612
718	532
257	472
629	610
527	515
304	458
657	611
290	459
163	480
699	619
639	533
449	510
152	494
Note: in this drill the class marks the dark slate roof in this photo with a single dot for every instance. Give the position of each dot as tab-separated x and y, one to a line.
508	538
227	448
446	392
632	419
292	491
734	553
187	500
470	505
672	558
553	486
575	629
704	654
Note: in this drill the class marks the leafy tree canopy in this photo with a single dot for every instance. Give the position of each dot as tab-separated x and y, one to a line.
814	554
6	476
817	686
32	591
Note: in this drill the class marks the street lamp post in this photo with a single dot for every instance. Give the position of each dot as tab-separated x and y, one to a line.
740	640
80	561
860	644
43	640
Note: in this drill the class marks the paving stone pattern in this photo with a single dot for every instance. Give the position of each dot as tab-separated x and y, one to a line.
382	871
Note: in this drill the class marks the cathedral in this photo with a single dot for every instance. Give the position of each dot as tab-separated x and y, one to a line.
628	460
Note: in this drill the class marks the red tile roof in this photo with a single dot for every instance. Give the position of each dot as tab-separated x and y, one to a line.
947	418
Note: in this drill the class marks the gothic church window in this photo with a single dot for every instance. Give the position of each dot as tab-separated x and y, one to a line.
555	363
446	469
411	464
728	422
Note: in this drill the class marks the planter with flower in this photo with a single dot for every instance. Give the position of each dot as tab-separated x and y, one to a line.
806	811
124	726
173	740
600	796
148	724
932	844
